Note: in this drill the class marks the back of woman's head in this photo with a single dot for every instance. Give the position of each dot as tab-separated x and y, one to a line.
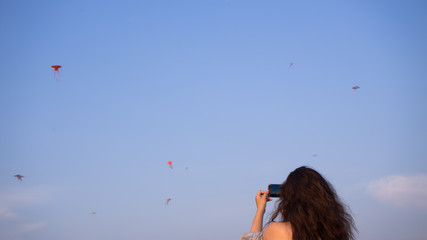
311	205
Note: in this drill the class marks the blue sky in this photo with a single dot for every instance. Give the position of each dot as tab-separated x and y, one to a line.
207	85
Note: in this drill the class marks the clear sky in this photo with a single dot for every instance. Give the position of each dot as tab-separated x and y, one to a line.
208	85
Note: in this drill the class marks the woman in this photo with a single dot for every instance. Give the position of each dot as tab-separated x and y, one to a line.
309	208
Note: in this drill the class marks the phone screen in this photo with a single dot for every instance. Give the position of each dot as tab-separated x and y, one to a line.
274	190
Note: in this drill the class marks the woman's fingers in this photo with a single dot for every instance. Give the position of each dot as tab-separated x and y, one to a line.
263	195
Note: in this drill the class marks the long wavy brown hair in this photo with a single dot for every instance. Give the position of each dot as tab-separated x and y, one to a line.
309	202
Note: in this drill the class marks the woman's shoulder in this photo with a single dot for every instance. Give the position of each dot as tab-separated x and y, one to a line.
278	231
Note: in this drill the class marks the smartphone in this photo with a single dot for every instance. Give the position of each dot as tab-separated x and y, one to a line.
274	190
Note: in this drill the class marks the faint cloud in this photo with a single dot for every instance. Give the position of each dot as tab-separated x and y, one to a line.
401	190
6	213
13	205
11	202
29	227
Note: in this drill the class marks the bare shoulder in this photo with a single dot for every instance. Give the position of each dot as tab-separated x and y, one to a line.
278	231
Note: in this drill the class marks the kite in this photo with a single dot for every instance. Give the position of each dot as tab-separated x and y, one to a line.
314	155
19	177
291	64
93	213
168	200
354	89
170	164
186	168
56	71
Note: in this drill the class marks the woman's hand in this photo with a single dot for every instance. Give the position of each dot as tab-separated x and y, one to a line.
261	200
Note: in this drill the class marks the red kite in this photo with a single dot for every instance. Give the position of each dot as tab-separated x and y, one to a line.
19	177
56	71
354	89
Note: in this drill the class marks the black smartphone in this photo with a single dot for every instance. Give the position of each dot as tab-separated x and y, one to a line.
274	190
